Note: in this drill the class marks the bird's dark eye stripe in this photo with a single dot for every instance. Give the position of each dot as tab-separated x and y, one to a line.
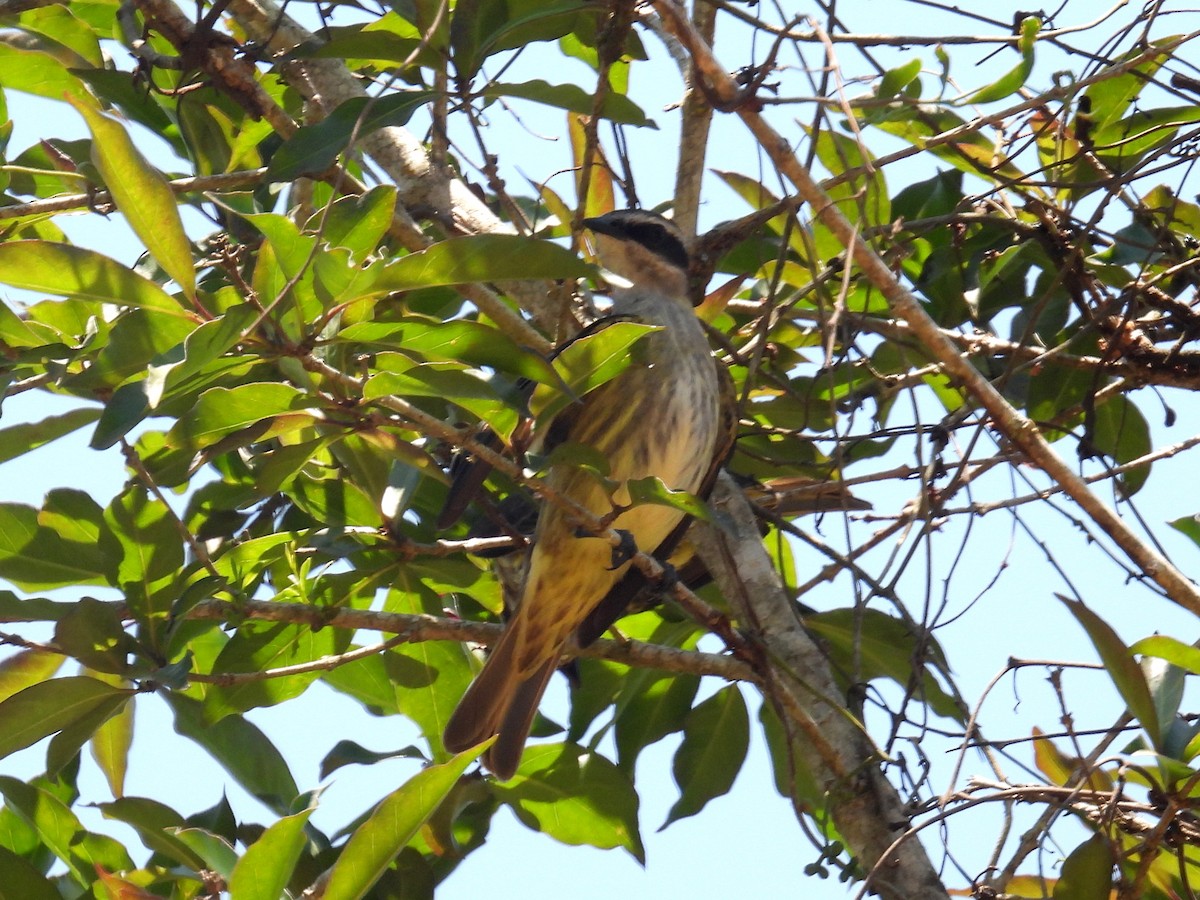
659	240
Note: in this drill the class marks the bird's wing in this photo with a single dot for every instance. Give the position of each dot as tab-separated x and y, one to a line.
468	473
614	604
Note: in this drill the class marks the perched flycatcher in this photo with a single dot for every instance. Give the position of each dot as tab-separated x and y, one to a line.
658	417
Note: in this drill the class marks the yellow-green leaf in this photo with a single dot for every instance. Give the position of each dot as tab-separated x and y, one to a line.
142	195
75	272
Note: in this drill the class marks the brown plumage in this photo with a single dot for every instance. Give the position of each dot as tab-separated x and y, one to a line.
658	417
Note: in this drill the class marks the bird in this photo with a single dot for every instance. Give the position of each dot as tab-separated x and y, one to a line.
661	417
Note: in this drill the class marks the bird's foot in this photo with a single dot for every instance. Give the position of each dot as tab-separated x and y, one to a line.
624	551
669	577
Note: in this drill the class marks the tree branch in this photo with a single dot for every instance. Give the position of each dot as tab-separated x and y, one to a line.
1015	427
418	628
833	746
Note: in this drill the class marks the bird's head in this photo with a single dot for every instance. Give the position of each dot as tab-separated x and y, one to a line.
643	247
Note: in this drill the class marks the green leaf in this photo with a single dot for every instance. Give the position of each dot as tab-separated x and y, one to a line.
574	796
245	752
93	634
391	826
35	73
714	746
360	223
571	97
141	194
1087	871
48	707
266	867
68	271
464	389
368	682
64	746
652	490
110	746
429	677
651	706
871	644
896	80
314	148
215	850
1176	652
29	609
25	668
17	440
1015	78
792	778
151	557
60	830
21	881
34	557
1122	433
483	257
221	412
259	646
156	825
187	365
1124	671
587	363
1110	98
459	340
1188	525
349	753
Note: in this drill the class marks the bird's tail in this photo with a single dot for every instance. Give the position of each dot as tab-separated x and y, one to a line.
499	701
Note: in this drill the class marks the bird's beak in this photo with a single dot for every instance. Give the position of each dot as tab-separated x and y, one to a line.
600	227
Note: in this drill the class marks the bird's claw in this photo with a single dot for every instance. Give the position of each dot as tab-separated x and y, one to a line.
669	577
624	551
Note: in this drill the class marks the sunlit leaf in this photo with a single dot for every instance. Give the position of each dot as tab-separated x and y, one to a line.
76	272
141	194
265	868
574	796
392	825
1015	78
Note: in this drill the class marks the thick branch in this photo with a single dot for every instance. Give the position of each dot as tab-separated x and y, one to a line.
833	746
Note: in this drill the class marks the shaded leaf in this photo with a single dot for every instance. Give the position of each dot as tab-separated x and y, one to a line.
156	824
1087	871
48	707
245	752
715	740
1118	661
314	148
260	646
349	753
20	439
